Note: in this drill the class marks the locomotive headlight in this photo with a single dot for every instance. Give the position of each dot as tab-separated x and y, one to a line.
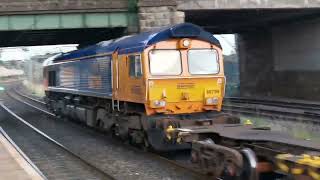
212	101
186	42
159	103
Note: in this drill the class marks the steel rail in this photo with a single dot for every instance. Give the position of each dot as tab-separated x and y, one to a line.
239	109
157	156
28	104
232	108
275	111
28	97
271	114
271	111
278	103
54	141
24	156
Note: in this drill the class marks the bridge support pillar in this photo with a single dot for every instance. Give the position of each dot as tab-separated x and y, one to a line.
281	60
155	14
255	62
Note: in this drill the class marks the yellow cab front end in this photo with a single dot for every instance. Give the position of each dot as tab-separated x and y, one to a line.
184	76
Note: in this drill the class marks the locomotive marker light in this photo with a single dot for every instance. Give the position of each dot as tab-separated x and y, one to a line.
159	103
184	43
212	101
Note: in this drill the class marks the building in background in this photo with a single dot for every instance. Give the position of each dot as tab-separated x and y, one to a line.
33	70
13	64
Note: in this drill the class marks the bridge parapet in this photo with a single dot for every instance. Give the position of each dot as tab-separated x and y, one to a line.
39	6
185	5
155	14
44	22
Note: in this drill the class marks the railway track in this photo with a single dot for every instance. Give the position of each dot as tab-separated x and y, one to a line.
286	110
306	112
290	110
305	105
28	97
179	165
57	161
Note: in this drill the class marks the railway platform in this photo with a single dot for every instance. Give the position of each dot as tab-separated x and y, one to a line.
14	164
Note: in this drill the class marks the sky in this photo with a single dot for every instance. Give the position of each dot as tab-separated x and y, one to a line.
24	53
228	43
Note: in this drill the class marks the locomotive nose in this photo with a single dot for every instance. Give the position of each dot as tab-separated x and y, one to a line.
182	95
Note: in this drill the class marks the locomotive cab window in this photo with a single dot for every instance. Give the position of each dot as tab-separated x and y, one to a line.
203	61
135	69
52	78
165	62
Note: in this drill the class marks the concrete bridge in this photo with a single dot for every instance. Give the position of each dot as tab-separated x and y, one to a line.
37	22
278	40
89	21
245	4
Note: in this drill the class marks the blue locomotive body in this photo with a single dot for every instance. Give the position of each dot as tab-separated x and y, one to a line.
91	76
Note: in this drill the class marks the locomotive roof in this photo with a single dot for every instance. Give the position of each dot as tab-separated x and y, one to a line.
137	43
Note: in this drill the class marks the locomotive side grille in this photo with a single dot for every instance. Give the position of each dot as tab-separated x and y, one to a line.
87	75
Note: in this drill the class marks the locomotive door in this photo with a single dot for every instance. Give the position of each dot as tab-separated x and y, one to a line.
135	86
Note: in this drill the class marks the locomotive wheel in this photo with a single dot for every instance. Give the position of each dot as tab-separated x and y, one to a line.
146	145
250	165
115	132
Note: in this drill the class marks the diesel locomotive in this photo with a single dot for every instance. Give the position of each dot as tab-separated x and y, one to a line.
139	86
163	90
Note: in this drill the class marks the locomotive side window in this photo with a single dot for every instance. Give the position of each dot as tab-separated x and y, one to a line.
203	61
165	62
52	78
135	69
